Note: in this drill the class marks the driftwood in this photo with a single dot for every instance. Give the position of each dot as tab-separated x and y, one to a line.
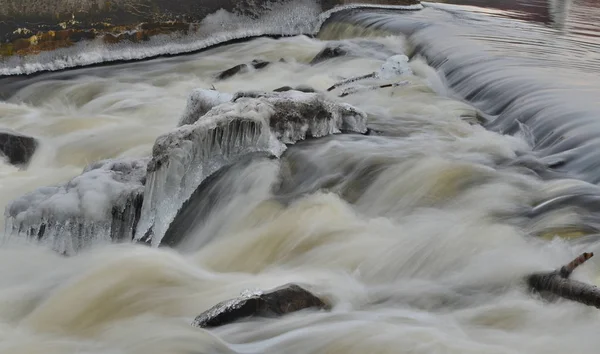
557	283
351	80
353	90
291	297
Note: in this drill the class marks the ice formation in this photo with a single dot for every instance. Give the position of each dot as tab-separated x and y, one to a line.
250	122
200	102
100	205
395	66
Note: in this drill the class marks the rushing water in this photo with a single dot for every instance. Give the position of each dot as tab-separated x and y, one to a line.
419	234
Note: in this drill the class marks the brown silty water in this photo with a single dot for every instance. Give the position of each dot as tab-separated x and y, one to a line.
478	169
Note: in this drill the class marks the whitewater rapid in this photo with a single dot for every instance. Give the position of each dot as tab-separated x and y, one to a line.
419	233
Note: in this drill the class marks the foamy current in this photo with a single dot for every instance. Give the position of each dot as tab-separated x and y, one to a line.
418	234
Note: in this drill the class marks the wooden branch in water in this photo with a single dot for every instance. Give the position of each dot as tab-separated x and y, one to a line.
353	90
558	283
351	80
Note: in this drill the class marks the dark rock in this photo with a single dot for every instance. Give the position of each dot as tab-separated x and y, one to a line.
259	64
283	89
304	88
242	68
354	48
17	148
238	69
329	53
301	88
275	303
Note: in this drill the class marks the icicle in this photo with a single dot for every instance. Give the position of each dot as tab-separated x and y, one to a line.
250	122
100	205
200	102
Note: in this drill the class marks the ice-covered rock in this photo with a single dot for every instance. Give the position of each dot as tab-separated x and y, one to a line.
274	303
102	204
298	115
251	122
395	66
16	147
200	102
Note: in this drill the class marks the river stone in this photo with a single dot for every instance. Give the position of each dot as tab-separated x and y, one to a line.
354	48
17	148
329	52
301	88
275	303
242	68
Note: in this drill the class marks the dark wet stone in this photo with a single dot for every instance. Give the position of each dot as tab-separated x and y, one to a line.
242	68
275	303
238	69
329	53
357	48
304	88
301	88
259	64
17	148
283	89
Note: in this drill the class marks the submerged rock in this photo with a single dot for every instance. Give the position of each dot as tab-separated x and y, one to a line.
329	52
356	48
16	147
251	122
275	303
102	204
242	68
301	88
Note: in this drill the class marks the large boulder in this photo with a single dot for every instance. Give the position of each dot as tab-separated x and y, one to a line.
274	303
251	122
101	205
16	148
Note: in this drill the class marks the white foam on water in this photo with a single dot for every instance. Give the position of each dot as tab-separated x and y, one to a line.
416	235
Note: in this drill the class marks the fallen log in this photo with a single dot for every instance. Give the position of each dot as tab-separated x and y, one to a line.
353	90
557	283
351	80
